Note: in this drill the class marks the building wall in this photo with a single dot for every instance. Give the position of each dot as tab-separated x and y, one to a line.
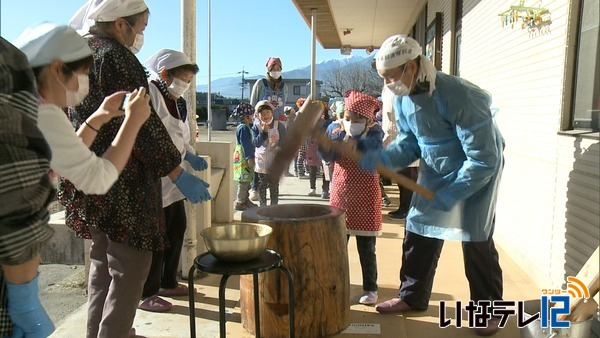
548	203
445	7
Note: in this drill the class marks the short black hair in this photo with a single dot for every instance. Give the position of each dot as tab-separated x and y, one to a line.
184	68
264	107
69	67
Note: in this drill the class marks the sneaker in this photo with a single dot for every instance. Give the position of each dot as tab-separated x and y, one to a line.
239	206
325	195
313	192
254	195
385	201
250	205
398	214
368	298
155	304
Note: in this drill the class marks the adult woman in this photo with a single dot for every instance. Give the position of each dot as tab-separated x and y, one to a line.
126	224
272	89
61	61
171	73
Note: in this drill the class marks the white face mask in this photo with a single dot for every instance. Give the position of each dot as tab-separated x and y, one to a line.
275	74
356	128
138	42
74	98
398	88
178	87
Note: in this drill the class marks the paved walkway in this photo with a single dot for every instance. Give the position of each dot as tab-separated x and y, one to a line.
450	285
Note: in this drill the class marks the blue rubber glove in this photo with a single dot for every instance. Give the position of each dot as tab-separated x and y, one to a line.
193	188
197	162
369	160
26	312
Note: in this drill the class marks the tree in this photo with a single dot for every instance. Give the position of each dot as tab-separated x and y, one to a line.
356	76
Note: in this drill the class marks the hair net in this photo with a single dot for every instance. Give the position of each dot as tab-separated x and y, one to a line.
104	11
273	61
361	103
397	50
48	42
242	109
289	110
165	58
263	103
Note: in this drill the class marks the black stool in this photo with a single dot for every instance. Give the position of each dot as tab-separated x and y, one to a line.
268	260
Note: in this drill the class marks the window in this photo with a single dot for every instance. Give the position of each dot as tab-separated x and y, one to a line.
296	90
586	88
457	36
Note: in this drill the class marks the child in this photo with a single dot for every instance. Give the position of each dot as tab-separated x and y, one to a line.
267	134
357	191
243	156
171	72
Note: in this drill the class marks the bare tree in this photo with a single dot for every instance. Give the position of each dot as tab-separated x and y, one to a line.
353	76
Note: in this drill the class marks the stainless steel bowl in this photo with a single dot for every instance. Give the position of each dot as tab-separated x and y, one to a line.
237	242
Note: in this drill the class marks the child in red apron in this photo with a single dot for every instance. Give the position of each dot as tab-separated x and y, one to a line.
267	134
357	191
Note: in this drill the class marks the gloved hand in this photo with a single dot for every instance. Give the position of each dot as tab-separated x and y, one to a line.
197	162
369	160
26	312
193	188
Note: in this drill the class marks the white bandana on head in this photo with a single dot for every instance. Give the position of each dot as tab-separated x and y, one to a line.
165	58
397	50
104	11
47	42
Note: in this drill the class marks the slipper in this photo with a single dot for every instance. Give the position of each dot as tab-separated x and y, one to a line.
132	333
180	290
155	304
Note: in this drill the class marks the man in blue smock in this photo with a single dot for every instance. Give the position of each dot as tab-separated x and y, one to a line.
446	122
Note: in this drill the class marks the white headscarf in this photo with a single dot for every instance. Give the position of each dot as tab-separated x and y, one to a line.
104	11
48	42
397	50
165	58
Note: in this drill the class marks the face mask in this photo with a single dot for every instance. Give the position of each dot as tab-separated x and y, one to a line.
356	128
178	87
138	42
74	98
399	88
275	74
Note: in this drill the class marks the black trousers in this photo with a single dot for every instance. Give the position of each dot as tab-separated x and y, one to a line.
419	260
368	261
312	172
165	264
272	183
406	194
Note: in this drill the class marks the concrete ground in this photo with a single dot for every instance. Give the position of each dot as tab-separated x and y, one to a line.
450	285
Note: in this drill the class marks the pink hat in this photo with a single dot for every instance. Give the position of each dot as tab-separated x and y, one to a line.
273	61
361	103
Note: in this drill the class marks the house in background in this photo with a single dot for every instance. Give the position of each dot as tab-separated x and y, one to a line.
297	88
540	62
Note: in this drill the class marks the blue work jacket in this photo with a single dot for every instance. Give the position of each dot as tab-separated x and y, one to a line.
453	132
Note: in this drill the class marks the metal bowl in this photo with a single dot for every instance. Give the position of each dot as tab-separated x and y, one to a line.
237	242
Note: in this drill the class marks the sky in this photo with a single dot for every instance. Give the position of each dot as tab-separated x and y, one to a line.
244	33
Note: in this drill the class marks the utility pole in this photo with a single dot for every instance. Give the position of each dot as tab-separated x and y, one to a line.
243	84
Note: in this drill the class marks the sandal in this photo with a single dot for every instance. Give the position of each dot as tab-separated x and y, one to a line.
155	304
180	290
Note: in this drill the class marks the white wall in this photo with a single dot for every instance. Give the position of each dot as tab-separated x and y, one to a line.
525	74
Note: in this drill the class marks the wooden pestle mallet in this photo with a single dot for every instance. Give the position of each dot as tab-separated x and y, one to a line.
305	125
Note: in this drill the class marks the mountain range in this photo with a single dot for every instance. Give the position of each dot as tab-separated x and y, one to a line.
230	86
